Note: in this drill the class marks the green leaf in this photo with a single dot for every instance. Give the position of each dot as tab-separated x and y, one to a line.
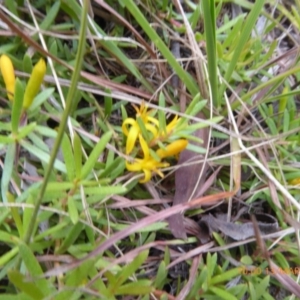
262	287
17	106
40	99
135	288
161	276
98	149
129	269
67	152
110	168
12	6
239	290
70	238
105	190
211	262
286	120
252	291
74	9
249	23
25	285
222	293
77	155
6	258
72	209
209	16
43	156
53	48
246	260
55	230
38	141
196	149
50	16
167	255
19	296
108	103
25	130
81	274
161	46
6	139
282	260
34	268
7	170
27	213
203	278
154	227
27	64
124	113
9	238
226	276
15	214
283	100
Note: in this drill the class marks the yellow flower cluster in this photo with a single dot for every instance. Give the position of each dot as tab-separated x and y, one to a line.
33	85
146	162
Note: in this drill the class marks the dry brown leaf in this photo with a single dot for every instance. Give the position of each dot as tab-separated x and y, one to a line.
186	179
266	224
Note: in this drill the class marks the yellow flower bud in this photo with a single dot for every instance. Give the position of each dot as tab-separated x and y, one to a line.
172	149
34	83
7	71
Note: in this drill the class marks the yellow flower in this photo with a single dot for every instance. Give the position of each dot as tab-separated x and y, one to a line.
134	130
147	164
34	83
7	71
172	149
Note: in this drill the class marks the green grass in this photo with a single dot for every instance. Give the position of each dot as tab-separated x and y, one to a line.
76	224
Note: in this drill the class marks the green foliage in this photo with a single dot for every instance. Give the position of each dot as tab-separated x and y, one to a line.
65	191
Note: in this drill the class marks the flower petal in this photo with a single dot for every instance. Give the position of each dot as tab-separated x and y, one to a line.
134	167
153	120
128	121
172	124
172	149
152	129
144	146
132	137
147	177
136	108
160	173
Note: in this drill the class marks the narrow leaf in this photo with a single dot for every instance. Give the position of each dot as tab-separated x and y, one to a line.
77	155
7	170
98	149
34	268
222	293
23	284
15	214
105	190
71	238
67	152
72	209
17	106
